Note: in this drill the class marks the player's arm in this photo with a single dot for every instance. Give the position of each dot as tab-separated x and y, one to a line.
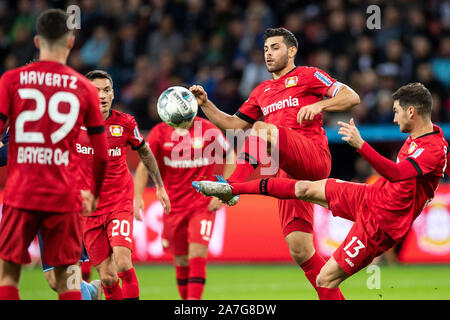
403	170
150	163
140	182
95	126
340	98
230	164
100	157
220	119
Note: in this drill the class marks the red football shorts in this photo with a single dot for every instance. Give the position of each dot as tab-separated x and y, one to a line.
61	232
103	232
182	228
365	240
300	159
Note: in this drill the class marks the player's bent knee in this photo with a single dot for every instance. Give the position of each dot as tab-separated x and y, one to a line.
301	252
328	279
123	264
301	256
320	280
108	279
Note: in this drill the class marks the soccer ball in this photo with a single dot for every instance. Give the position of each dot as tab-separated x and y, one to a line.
177	105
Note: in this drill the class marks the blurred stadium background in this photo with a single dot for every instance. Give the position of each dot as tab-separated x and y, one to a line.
149	45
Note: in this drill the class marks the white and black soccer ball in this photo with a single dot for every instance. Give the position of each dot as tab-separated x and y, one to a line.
177	105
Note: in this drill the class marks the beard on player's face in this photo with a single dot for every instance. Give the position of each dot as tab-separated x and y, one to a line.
277	63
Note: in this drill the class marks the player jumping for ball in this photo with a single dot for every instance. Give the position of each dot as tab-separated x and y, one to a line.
291	104
383	212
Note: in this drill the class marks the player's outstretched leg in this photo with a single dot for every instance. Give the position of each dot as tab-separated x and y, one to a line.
220	189
281	188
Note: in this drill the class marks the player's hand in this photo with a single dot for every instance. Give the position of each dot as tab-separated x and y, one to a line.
162	196
351	134
307	113
138	206
200	94
214	204
89	203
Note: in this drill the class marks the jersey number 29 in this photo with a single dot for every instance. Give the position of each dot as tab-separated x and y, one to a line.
67	120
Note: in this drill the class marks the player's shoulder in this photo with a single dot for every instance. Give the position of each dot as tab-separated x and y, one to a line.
434	140
9	75
260	88
309	71
122	118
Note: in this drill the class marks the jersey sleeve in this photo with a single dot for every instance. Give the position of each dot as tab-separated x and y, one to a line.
135	138
93	120
250	110
428	158
318	81
5	98
403	170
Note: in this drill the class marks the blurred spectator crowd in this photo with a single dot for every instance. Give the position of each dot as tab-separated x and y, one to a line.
149	45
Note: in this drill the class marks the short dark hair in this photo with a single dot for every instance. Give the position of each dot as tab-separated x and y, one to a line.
52	25
288	36
414	94
98	74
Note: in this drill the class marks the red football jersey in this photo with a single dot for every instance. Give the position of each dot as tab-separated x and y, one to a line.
118	188
186	158
397	204
46	103
279	101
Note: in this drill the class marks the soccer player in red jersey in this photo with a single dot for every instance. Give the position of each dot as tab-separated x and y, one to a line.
47	102
107	233
382	212
185	154
291	104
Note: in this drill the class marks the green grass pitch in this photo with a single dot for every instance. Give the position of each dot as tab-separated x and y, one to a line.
272	282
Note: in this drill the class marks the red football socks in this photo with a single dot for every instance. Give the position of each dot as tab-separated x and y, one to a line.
113	292
329	293
281	188
182	275
197	278
312	269
248	158
9	293
70	295
130	285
